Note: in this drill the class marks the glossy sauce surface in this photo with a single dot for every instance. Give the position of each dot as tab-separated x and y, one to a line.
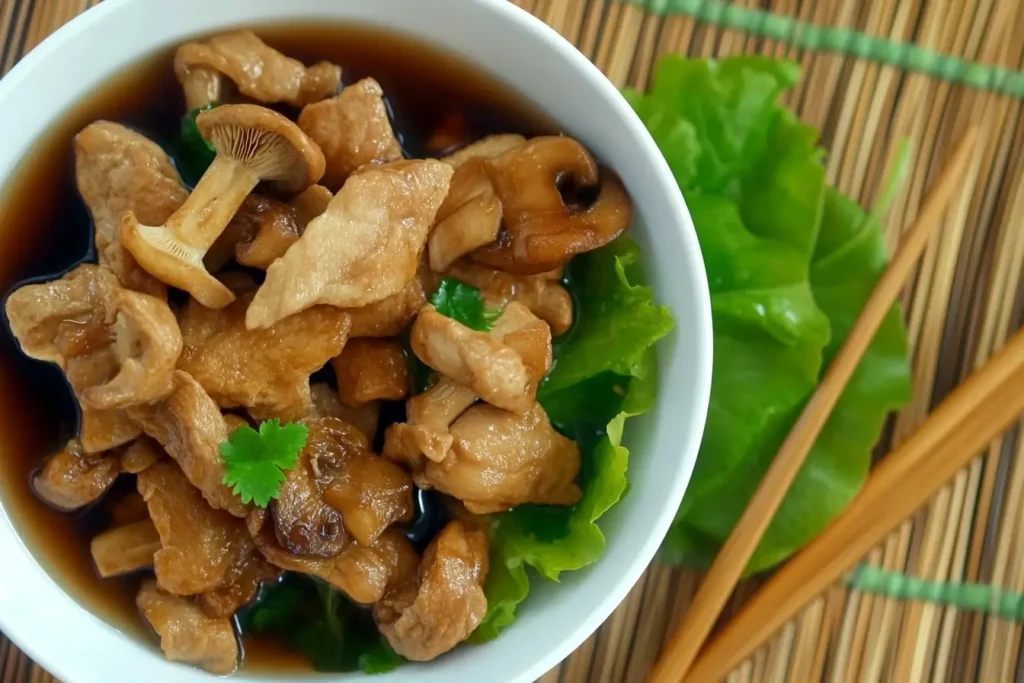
435	101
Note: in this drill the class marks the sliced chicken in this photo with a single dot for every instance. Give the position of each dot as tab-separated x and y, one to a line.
241	583
71	479
326	403
543	294
265	371
363	249
445	603
388	317
499	460
127	508
372	494
119	170
187	634
199	545
190	427
504	366
487	148
257	70
125	549
428	417
371	370
352	129
140	455
469	217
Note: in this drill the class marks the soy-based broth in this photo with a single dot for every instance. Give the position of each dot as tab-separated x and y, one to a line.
45	229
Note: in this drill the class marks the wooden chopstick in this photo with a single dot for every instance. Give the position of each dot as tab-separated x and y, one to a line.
732	559
969	419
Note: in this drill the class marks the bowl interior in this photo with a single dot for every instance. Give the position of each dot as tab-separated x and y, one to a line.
531	59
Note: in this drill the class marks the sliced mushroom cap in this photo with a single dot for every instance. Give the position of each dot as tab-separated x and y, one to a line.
446	603
372	494
187	634
541	231
469	218
371	370
118	170
190	427
147	344
71	479
257	70
484	148
241	583
499	460
353	129
543	294
253	144
364	248
503	367
265	371
199	545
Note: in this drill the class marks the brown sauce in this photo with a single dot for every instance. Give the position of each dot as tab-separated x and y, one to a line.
44	230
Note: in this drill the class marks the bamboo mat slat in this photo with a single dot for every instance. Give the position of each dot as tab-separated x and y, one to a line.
965	299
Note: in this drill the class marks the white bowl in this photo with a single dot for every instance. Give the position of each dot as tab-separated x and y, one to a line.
532	59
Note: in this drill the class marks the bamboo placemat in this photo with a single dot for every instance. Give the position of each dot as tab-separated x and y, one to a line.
874	73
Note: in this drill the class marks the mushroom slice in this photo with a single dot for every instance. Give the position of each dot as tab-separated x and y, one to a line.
147	344
541	230
266	371
486	148
364	248
71	479
199	545
543	294
371	370
125	549
504	366
253	144
118	170
190	427
388	317
326	403
499	460
445	602
187	634
257	70
425	433
352	129
241	584
469	218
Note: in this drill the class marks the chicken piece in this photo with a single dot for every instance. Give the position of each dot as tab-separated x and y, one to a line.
371	370
469	217
119	170
199	545
241	584
445	603
190	427
504	366
266	371
71	479
372	494
499	460
363	249
139	456
257	70
487	148
352	129
186	633
127	508
542	294
388	317
326	403
428	416
125	549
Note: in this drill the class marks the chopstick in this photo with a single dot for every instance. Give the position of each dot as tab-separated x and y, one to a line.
732	559
969	419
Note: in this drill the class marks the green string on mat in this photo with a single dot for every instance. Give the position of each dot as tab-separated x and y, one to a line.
808	36
976	597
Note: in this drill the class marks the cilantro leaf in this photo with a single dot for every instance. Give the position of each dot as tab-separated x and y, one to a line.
465	304
255	462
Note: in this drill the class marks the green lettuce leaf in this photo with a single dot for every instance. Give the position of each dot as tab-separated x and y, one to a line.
601	378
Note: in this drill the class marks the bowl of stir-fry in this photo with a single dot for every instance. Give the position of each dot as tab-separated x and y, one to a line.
359	369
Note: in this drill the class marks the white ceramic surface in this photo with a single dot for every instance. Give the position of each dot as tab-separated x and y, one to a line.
531	58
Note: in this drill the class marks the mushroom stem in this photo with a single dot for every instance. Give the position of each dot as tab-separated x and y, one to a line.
213	202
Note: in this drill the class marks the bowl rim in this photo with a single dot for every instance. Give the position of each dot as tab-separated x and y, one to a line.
37	643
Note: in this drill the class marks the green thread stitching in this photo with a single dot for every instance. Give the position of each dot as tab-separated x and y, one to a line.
975	597
807	36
